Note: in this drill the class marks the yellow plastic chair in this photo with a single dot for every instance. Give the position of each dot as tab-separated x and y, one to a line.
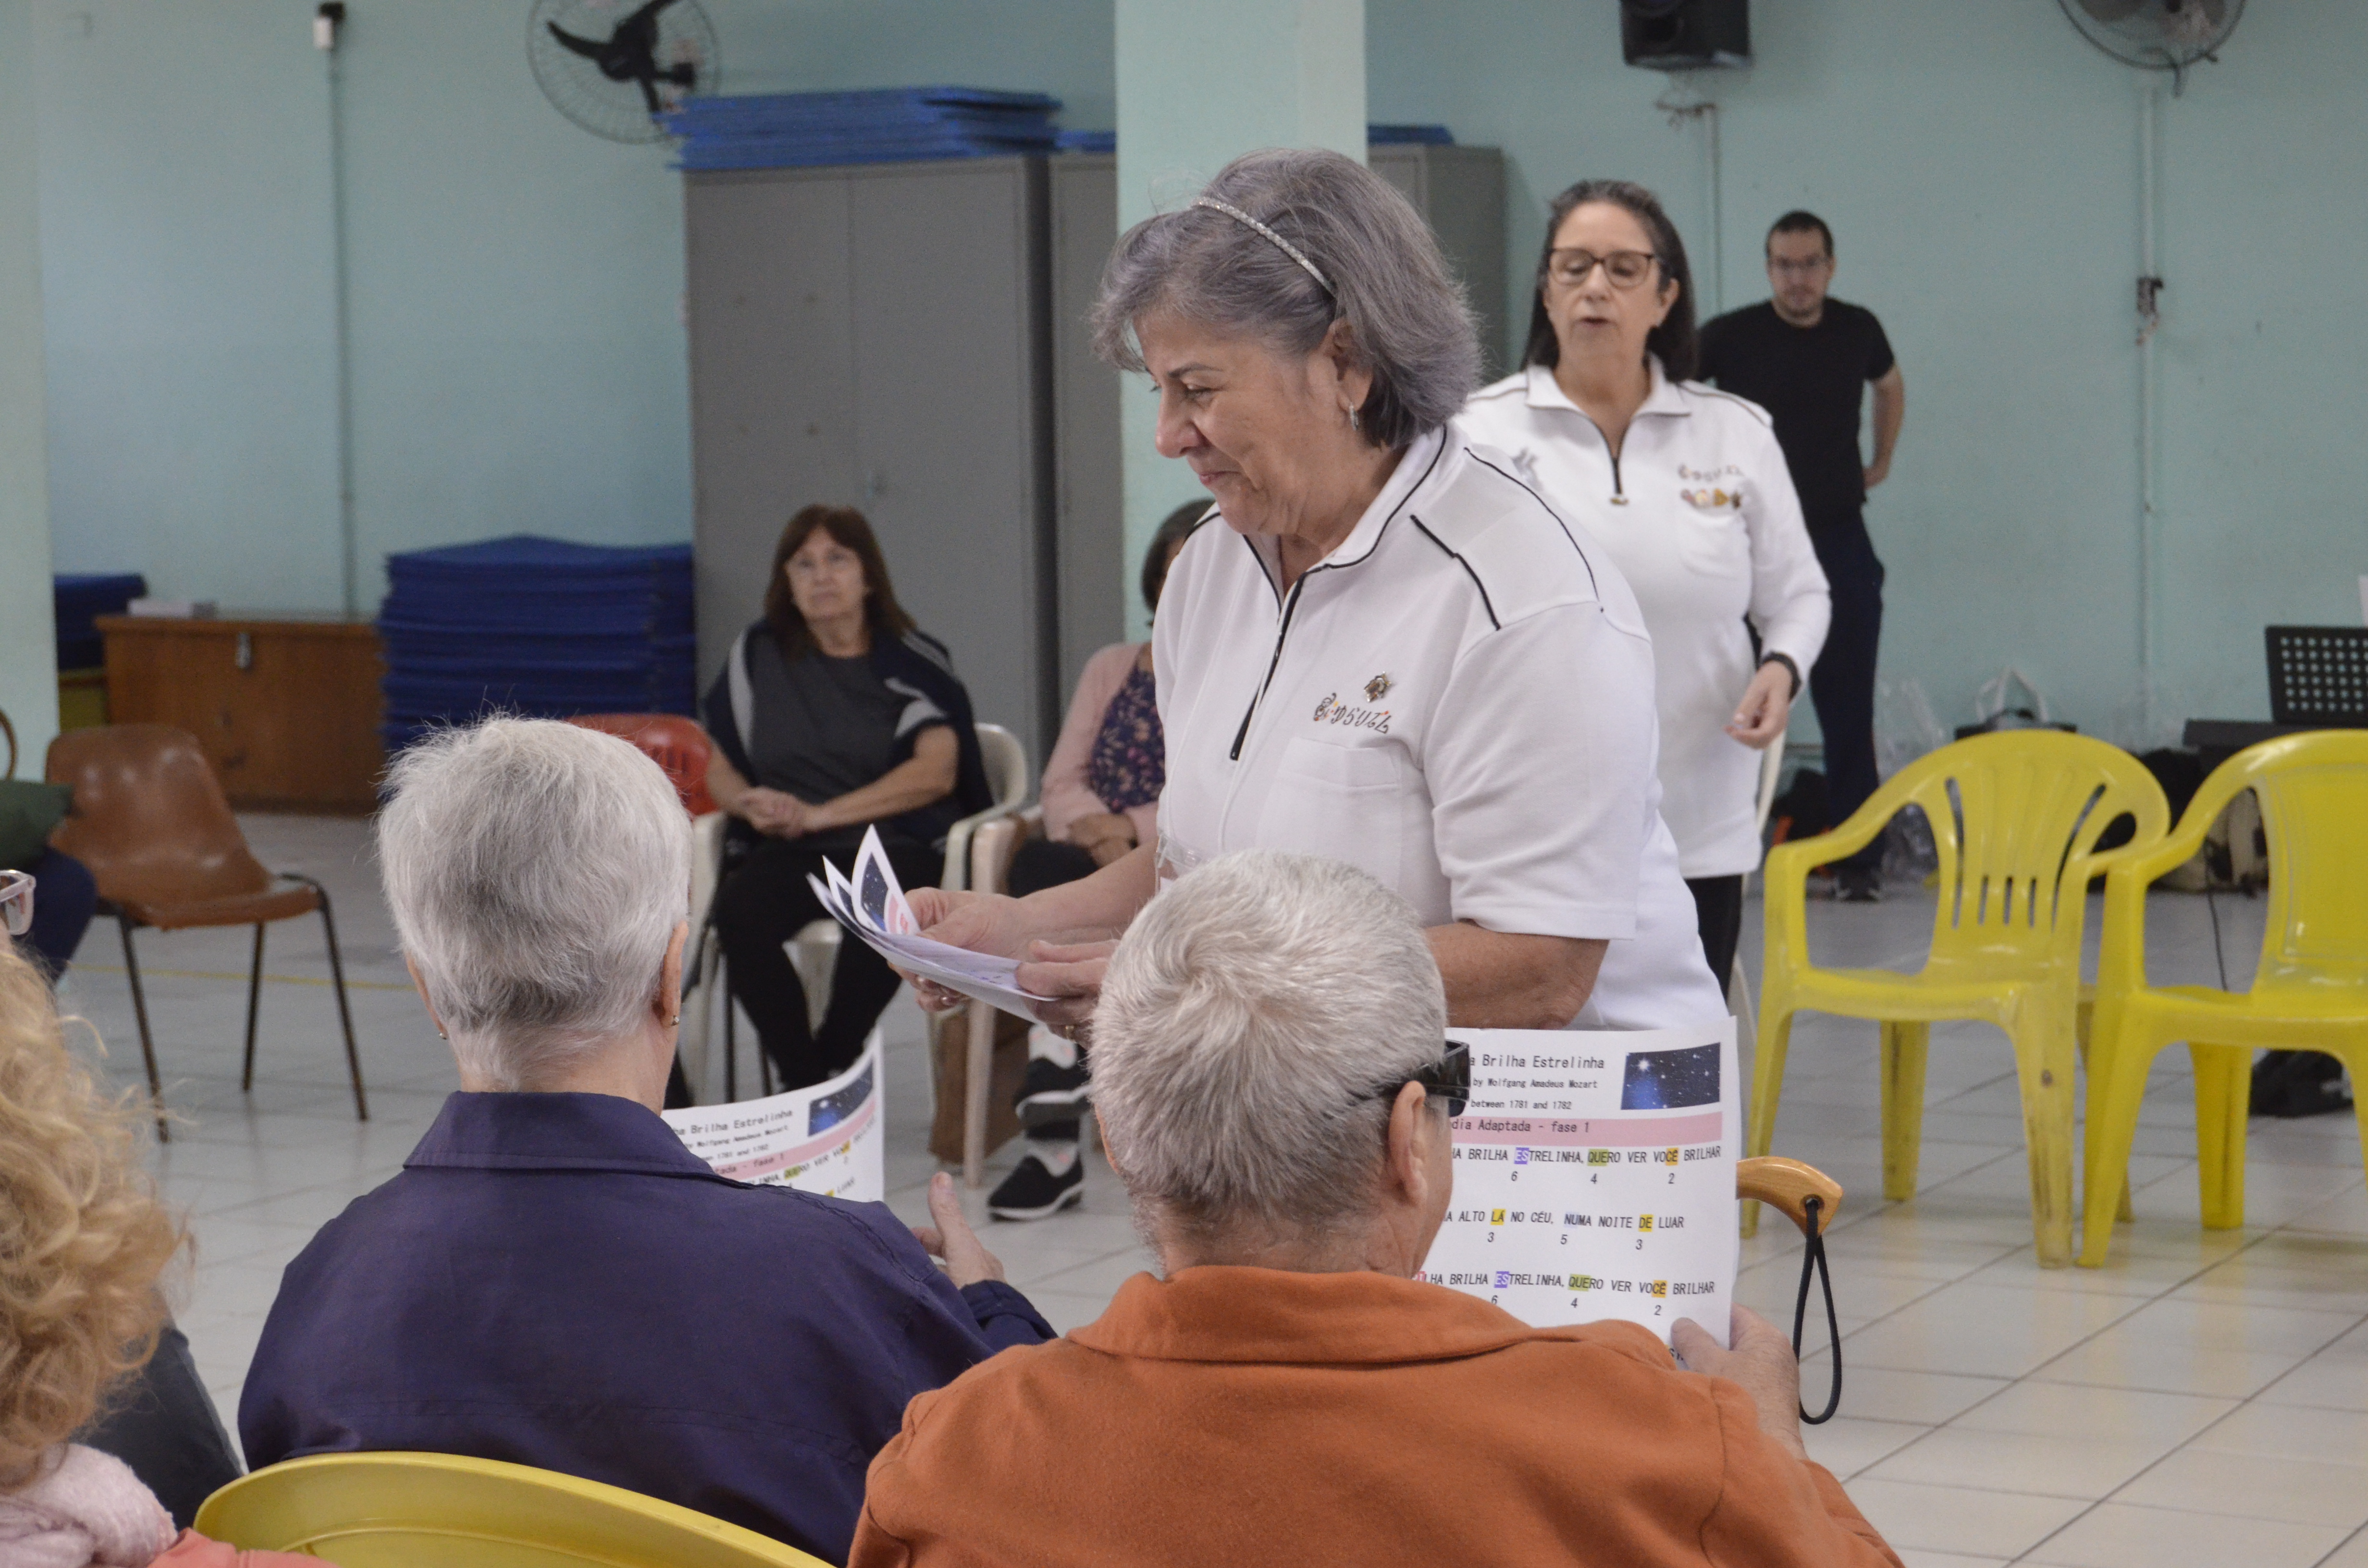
2015	817
400	1510
2309	993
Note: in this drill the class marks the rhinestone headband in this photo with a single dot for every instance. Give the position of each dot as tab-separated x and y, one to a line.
1292	251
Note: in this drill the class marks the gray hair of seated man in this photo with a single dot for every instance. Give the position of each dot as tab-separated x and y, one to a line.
1381	273
536	871
1249	1023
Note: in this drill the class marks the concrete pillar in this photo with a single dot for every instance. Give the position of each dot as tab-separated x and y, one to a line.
1199	84
28	662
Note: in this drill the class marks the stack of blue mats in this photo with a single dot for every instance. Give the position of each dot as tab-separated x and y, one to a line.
81	598
535	626
1376	136
893	125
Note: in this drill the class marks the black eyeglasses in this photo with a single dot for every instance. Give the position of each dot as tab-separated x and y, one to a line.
1448	1078
1626	268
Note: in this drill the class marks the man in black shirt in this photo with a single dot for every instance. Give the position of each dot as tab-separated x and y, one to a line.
1805	359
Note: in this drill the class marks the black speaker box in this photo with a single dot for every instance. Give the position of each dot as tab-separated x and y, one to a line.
1685	35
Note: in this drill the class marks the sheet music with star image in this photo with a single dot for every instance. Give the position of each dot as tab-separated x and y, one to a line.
1595	1176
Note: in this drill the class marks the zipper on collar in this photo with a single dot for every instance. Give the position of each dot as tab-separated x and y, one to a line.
1619	497
1282	631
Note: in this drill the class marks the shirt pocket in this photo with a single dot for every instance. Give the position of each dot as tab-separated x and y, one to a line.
1345	804
1712	541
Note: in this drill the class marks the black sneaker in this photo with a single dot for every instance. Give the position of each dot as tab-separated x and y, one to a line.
1050	1094
2291	1084
1033	1192
1858	884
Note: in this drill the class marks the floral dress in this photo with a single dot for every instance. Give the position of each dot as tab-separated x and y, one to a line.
1129	765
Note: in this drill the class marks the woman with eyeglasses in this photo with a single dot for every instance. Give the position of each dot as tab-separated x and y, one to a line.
1686	489
1380	646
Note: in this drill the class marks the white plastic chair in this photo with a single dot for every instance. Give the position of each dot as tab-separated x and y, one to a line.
1738	984
706	959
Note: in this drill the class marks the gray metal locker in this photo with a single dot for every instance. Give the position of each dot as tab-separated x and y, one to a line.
1461	192
1091	493
875	335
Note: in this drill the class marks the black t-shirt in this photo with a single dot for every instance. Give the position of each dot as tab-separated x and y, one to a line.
1813	379
824	726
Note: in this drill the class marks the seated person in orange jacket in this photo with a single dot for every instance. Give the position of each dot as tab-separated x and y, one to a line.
1283	1391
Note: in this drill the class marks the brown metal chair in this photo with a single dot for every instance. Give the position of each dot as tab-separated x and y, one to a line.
150	822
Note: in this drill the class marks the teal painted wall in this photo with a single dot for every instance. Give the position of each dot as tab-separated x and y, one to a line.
29	668
1979	165
518	359
515	283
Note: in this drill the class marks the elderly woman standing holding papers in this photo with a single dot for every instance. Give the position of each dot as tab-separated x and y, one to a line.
1384	648
1687	489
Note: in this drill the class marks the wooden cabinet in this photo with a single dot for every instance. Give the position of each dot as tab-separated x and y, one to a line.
287	710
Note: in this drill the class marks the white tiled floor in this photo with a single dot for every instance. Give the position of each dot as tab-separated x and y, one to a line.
2201	1401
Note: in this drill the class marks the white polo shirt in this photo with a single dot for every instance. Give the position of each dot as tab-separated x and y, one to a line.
1457	700
1699	513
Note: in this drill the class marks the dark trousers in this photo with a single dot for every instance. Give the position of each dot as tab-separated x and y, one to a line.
1718	908
64	897
1841	683
762	903
161	1423
1047	863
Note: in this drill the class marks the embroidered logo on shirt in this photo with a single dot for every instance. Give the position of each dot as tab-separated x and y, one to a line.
1711	500
1332	710
1377	688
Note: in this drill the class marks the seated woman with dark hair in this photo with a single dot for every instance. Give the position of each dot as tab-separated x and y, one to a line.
1102	798
833	714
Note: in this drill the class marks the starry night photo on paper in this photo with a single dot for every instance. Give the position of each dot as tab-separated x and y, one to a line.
1665	1080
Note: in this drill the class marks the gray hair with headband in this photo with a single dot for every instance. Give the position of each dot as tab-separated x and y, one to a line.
1280	245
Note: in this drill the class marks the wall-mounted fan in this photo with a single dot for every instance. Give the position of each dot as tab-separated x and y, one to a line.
2158	35
614	66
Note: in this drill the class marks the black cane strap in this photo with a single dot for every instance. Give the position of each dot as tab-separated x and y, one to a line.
1813	1258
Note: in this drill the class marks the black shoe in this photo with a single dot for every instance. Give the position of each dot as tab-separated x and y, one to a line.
1050	1094
1858	884
2291	1084
1032	1192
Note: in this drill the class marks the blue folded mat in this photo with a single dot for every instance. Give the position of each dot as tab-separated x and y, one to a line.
888	125
541	627
81	597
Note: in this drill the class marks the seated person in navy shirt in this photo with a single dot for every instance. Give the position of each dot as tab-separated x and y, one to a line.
554	1279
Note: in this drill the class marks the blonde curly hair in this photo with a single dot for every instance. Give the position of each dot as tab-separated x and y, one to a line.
84	1238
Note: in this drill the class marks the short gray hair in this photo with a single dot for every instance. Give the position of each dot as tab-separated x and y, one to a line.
536	871
1249	1021
1408	321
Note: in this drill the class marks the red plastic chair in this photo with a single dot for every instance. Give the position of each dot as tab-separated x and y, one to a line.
674	742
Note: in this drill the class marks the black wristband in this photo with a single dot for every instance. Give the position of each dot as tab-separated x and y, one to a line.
1790	668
